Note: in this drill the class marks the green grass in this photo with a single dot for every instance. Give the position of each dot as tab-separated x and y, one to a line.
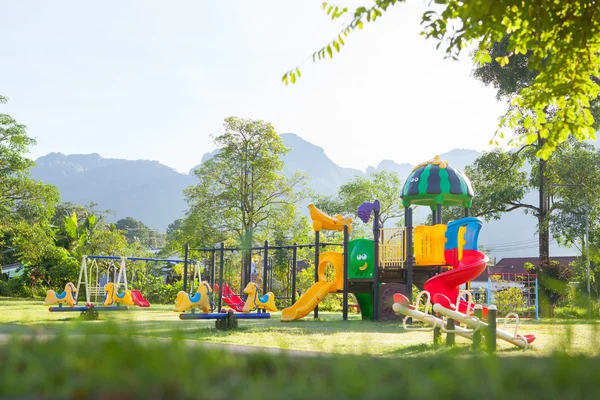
329	334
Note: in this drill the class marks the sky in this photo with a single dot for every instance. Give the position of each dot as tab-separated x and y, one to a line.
155	79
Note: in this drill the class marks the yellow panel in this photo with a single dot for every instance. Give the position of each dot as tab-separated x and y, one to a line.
392	242
429	244
461	241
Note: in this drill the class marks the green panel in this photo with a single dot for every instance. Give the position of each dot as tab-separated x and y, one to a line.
463	185
423	179
365	301
444	181
361	259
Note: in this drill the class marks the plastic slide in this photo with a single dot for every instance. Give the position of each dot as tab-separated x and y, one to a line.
230	298
308	301
138	299
365	301
447	283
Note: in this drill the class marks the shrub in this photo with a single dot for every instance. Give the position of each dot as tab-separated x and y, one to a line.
510	300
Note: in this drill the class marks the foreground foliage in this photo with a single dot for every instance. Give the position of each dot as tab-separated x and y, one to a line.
131	368
560	38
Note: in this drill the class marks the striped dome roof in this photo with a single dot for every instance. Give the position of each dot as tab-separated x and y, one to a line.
436	182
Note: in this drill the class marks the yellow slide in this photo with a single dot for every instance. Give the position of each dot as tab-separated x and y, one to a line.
308	301
317	292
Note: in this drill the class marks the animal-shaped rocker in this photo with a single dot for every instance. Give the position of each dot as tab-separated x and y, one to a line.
266	302
200	299
65	297
113	296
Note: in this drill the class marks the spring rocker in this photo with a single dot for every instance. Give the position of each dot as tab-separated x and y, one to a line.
116	298
254	301
201	299
65	297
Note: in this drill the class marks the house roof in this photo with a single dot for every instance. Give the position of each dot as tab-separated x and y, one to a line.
516	265
13	270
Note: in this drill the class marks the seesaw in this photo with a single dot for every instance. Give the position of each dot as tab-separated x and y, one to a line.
223	320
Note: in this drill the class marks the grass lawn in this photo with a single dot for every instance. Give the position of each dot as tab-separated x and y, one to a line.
329	334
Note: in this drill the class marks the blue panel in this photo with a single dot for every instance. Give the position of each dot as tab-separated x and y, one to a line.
195	298
471	235
111	308
137	259
203	316
224	315
68	309
263	299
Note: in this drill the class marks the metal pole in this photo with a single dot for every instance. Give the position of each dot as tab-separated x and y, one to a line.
345	300
537	306
221	261
294	271
185	266
467	212
489	291
409	251
587	252
376	265
265	265
316	312
439	213
212	268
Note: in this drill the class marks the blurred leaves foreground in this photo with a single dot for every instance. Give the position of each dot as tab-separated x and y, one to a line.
125	367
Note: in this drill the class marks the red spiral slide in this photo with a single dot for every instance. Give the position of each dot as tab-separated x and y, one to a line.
471	265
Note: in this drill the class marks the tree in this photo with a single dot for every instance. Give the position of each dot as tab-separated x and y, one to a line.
26	205
137	230
560	38
503	178
243	184
511	79
381	185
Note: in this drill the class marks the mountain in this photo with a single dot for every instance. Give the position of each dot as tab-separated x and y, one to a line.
145	190
153	192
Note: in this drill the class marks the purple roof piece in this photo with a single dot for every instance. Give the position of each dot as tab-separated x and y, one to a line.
365	210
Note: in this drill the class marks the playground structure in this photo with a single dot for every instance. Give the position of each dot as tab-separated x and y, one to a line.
439	258
453	250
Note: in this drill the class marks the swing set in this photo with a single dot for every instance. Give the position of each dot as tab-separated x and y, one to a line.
99	275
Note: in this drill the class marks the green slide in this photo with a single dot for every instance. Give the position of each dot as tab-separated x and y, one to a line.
365	301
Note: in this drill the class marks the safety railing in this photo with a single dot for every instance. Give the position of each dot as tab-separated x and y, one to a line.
392	245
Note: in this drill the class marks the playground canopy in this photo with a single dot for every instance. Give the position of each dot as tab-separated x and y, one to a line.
437	182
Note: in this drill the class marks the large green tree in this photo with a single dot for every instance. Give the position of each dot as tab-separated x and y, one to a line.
137	230
243	184
510	79
384	186
503	178
561	40
26	205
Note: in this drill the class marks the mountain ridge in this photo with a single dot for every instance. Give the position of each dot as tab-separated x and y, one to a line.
153	192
